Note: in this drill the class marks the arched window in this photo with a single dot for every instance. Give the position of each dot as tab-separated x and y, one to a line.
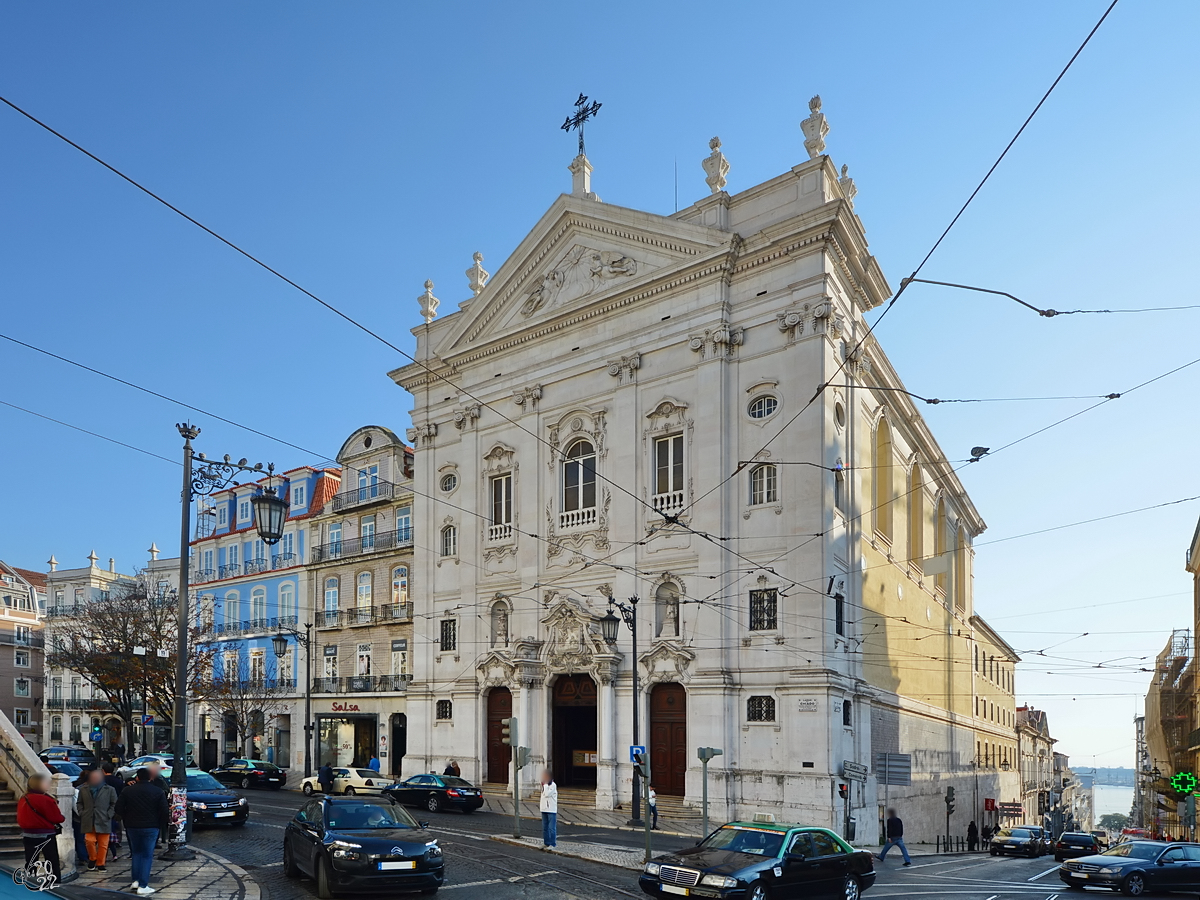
883	479
579	484
258	604
364	589
916	515
666	610
962	576
287	602
331	596
400	584
233	610
939	543
764	484
449	541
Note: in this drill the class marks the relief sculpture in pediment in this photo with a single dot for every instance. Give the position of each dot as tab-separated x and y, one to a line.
582	272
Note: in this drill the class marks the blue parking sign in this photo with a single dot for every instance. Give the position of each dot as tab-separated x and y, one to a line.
636	750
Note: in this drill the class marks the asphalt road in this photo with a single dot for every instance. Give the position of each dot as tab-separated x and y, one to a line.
478	867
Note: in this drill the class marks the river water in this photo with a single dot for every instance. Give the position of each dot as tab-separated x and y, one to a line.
1111	798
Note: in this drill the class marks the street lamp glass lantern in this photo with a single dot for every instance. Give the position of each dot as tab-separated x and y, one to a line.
270	512
280	644
609	625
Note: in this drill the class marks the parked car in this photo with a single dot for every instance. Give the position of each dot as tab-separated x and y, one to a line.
1101	838
81	756
1137	867
361	844
248	773
1071	844
1020	841
437	792
129	771
68	768
211	803
350	781
754	861
1045	840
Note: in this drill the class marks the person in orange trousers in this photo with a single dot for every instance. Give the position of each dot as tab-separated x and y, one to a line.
96	802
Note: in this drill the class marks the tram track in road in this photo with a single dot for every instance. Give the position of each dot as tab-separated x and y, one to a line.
486	859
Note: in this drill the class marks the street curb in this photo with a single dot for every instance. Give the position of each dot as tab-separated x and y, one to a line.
516	842
250	888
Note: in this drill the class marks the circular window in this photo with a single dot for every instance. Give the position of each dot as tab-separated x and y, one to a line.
761	407
449	482
839	415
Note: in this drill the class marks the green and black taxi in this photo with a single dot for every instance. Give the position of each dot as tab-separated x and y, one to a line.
757	860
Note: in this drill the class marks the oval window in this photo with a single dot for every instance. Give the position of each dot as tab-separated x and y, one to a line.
839	415
449	482
761	407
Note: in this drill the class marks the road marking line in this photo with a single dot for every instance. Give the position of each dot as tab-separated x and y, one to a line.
1052	897
993	897
468	884
268	865
1042	874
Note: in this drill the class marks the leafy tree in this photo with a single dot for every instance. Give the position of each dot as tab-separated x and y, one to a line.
1114	821
246	698
97	641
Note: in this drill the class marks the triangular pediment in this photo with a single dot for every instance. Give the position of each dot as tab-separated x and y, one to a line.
581	253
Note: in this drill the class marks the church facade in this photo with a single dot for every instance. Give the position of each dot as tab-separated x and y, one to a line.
687	410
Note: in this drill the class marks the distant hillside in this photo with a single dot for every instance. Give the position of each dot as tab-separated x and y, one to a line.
1120	776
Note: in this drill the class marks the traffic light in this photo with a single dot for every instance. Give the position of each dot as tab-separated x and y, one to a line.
522	757
843	791
641	765
949	800
509	732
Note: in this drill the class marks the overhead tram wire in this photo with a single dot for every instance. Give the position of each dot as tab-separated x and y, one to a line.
905	282
94	434
329	306
1050	313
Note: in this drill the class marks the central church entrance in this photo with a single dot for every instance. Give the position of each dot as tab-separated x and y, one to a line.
575	732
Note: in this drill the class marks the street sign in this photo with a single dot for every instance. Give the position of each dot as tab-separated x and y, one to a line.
147	720
1011	809
636	750
854	771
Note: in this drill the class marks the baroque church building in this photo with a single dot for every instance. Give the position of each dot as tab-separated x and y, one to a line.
630	407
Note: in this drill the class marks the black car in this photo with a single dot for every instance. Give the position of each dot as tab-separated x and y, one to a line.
248	773
754	861
1018	841
1075	843
1137	867
437	792
361	843
211	803
1043	836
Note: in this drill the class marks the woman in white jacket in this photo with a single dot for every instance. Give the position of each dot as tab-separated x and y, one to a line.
549	807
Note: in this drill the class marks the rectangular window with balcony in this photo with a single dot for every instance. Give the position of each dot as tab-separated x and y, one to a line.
368	483
287	549
335	539
23	635
56	688
21	659
331	597
79	596
331	661
258	665
400	657
367	532
58	597
404	523
764	610
449	635
364	659
668	474
501	527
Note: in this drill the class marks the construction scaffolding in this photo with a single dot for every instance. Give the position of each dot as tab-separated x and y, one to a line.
1168	730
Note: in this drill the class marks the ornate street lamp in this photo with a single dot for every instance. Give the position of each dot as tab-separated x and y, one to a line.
201	477
609	626
280	644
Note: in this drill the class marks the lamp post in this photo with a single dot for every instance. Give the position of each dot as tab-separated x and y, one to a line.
609	626
280	643
201	477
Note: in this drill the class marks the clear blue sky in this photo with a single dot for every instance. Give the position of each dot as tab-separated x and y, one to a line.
362	148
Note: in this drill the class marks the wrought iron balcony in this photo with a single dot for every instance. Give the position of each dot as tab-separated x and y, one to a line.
365	615
395	612
78	703
382	490
283	560
361	684
22	640
254	566
199	575
251	626
384	540
329	618
230	571
64	609
55	735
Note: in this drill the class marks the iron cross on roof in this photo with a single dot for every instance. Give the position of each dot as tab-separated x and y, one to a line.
583	112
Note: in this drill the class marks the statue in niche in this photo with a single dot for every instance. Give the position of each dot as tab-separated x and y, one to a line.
500	625
666	602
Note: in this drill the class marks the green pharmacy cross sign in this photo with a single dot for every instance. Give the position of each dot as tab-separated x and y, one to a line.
1184	782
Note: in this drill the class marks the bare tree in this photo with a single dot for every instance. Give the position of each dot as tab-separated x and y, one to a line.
98	642
247	697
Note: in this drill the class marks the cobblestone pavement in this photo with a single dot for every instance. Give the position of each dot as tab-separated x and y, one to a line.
209	876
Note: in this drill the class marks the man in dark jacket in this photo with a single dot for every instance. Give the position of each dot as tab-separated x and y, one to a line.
325	778
142	808
895	837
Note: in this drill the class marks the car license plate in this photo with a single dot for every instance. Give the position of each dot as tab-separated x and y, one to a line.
408	864
218	815
675	889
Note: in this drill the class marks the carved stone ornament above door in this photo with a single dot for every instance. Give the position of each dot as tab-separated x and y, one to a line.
582	272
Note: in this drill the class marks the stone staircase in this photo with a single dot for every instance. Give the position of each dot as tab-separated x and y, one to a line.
11	847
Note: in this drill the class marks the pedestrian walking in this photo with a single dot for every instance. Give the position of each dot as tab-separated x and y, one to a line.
325	778
143	809
972	836
652	802
894	831
112	778
374	764
548	804
96	804
986	834
40	821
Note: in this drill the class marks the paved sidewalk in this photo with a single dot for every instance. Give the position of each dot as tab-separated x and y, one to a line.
621	857
598	818
207	877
